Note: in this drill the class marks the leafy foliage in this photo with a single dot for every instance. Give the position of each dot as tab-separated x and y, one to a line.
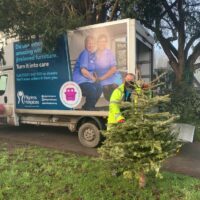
187	105
42	18
143	142
185	102
49	19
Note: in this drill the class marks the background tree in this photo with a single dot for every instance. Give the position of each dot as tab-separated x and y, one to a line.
48	18
176	24
44	18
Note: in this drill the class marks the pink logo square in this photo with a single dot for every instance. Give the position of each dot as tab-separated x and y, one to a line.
70	94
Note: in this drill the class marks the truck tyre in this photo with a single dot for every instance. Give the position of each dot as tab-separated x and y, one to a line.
89	135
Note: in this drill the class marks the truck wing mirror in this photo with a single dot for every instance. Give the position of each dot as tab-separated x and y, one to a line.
5	99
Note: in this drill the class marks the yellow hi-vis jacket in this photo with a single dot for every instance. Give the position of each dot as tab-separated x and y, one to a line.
115	100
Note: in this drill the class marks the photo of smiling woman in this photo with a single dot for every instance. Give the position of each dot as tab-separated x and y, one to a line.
106	69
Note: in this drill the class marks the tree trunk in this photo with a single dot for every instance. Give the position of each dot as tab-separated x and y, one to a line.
179	76
183	74
178	70
188	75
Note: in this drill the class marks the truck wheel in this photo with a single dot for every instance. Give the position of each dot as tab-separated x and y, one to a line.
89	135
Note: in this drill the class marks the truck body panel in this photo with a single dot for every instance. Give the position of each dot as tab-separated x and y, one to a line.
39	76
37	87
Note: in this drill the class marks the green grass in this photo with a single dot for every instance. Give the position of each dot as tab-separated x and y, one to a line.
35	173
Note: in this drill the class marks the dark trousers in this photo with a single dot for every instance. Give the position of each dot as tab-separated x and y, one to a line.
108	90
92	92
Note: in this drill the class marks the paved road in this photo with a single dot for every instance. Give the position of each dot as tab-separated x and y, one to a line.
186	162
52	137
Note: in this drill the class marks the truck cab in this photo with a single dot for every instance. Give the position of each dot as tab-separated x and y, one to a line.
7	115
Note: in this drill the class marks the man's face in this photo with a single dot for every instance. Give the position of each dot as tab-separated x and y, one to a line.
129	82
129	78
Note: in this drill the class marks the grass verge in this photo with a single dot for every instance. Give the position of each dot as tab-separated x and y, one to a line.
34	173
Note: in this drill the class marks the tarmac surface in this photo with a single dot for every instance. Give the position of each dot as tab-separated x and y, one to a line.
187	161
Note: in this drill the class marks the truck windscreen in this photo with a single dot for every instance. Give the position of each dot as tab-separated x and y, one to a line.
3	83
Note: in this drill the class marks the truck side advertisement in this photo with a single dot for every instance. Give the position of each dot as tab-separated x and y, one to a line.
83	70
40	76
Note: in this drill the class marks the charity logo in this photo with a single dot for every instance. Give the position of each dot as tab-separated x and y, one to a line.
20	97
26	99
70	94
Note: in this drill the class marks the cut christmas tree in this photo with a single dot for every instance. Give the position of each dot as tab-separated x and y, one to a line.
143	142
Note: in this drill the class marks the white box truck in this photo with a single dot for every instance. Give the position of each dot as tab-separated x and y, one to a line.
38	88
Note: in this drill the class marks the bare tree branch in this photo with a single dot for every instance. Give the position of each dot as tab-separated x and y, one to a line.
166	10
181	32
196	66
193	57
166	42
114	10
191	42
173	30
170	13
166	47
193	4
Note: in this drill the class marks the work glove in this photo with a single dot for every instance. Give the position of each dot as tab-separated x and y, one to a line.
145	86
121	121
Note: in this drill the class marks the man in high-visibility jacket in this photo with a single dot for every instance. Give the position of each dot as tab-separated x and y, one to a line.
122	93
